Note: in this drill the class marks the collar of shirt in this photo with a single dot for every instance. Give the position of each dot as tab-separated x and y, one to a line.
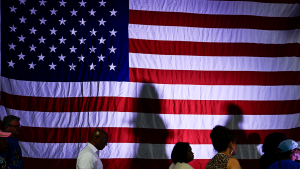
95	150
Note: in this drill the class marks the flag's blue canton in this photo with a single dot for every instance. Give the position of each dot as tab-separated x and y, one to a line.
65	41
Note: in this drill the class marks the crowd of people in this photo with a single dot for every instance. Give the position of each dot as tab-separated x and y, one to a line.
279	151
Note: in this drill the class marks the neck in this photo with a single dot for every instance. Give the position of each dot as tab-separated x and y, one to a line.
227	152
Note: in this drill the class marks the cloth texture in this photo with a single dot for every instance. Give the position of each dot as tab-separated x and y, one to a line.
219	161
88	158
179	165
285	164
13	156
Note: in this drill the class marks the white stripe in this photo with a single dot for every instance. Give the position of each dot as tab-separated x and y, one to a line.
156	91
214	63
153	121
127	150
173	33
218	7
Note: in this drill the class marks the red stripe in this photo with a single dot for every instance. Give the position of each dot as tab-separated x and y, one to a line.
140	135
164	106
33	163
212	21
213	49
213	77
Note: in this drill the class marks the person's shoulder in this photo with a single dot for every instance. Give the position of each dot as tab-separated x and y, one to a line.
186	166
233	163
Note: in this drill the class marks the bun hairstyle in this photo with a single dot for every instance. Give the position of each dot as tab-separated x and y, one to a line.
221	137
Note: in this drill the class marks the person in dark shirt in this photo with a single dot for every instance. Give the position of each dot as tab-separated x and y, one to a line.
13	156
269	148
288	152
3	148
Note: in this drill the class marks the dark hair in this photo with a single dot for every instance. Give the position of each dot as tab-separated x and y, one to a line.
8	119
221	137
179	152
272	141
282	155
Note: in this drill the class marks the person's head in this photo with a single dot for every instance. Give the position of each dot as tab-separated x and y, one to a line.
223	139
99	139
11	124
182	152
272	141
288	149
3	142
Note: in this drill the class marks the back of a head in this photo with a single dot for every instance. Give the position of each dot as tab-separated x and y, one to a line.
179	152
272	141
221	137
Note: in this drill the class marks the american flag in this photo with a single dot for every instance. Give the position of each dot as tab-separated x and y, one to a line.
151	73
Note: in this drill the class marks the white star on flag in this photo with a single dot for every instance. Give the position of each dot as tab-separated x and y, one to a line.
21	56
42	40
73	12
12	46
113	13
92	49
93	32
82	40
112	49
62	40
101	40
42	2
101	58
11	64
61	57
32	11
113	32
32	48
13	28
22	20
82	3
73	32
41	57
112	67
21	38
53	11
81	58
102	3
31	65
92	12
101	22
82	22
62	21
62	3
72	67
32	30
13	9
53	31
52	66
22	2
92	66
43	21
52	49
73	49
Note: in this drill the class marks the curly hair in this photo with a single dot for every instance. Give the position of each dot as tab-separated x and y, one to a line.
221	137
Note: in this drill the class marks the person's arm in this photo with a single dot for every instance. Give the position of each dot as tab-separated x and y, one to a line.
233	163
86	161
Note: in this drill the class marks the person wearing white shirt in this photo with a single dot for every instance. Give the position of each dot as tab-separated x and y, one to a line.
88	157
181	155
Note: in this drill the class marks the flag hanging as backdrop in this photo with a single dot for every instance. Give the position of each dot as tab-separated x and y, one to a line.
150	73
